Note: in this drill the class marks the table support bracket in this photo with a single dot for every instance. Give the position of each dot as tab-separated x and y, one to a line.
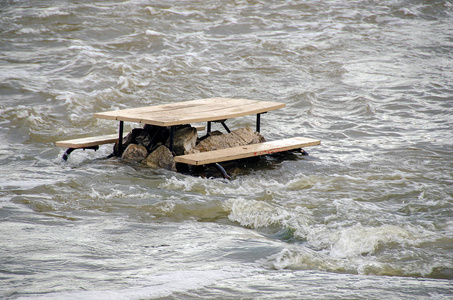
70	150
209	126
222	171
225	126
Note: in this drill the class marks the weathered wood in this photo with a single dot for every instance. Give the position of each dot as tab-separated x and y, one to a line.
88	141
96	140
216	156
202	110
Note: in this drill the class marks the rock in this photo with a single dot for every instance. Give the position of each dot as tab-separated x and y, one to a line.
153	135
216	132
129	139
134	152
161	158
148	136
239	137
184	140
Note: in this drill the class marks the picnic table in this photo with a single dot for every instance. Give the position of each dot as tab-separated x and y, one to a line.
195	111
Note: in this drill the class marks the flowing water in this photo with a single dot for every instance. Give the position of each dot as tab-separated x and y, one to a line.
369	214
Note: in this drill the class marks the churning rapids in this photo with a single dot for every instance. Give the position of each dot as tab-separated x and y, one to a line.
369	214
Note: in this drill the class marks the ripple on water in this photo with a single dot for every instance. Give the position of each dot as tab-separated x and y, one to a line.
371	79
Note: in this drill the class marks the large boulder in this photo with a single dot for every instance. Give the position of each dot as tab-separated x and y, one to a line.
184	140
134	153
148	136
129	139
152	136
239	137
161	158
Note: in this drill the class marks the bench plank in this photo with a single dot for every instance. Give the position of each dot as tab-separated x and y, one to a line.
96	140
88	141
239	152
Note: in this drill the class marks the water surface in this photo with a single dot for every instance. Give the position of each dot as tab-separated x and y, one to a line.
367	215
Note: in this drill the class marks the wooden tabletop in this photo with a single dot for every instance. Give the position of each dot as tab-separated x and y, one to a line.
202	110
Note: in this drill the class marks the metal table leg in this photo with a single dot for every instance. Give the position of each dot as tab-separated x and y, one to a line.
172	136
258	122
120	139
222	171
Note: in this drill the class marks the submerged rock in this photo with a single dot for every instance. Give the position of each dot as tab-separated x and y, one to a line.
135	153
239	137
153	136
184	140
150	145
148	136
161	158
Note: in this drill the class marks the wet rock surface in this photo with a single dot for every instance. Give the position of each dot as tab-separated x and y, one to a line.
135	153
185	140
161	158
150	145
240	137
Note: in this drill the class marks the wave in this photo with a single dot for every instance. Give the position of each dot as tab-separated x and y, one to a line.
155	286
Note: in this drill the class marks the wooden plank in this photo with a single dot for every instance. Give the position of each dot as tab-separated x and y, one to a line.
220	114
215	156
172	107
136	114
201	110
97	140
200	127
88	141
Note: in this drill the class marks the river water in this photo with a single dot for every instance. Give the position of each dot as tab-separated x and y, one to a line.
369	214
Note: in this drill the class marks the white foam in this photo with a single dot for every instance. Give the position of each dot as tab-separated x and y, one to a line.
28	30
303	258
152	33
86	50
258	214
358	239
161	285
151	10
52	11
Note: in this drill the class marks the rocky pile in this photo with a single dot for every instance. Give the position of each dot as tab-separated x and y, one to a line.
150	145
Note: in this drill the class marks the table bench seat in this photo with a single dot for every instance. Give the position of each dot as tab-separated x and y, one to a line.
88	141
93	142
216	156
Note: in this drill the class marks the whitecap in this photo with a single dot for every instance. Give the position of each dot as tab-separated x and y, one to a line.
123	82
151	10
259	214
28	30
152	32
359	240
53	11
156	286
303	258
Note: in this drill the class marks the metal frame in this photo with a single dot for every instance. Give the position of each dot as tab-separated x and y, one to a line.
172	135
209	128
120	138
70	150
